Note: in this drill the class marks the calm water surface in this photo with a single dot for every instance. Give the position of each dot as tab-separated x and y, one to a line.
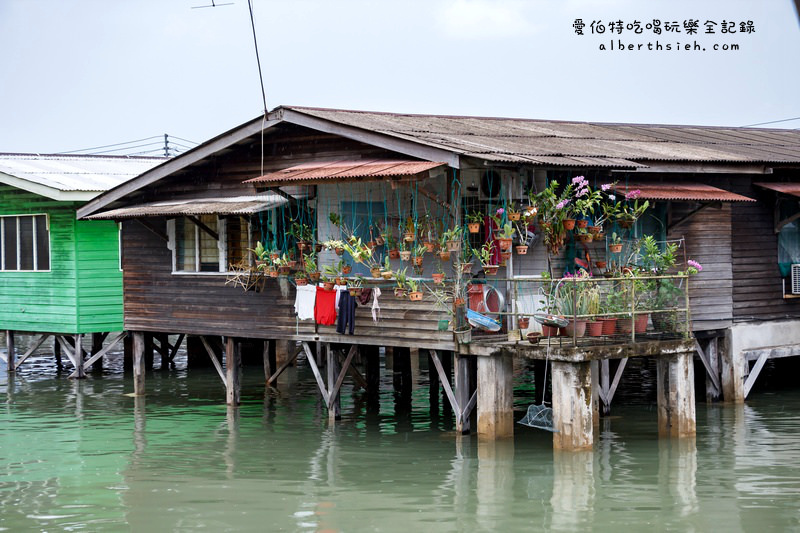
83	456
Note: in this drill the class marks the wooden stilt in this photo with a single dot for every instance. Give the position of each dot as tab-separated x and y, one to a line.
138	363
734	370
605	385
433	387
213	356
10	352
148	351
97	356
57	353
373	363
462	392
233	371
334	403
286	363
495	399
97	345
675	393
80	371
30	351
267	363
595	370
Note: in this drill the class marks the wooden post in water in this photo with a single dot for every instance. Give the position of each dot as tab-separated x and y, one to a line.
268	346
595	369
433	389
372	356
495	397
734	370
138	363
335	403
57	352
572	405
97	345
675	392
233	371
462	392
10	351
80	372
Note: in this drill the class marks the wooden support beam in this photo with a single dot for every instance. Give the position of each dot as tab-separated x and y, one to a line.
353	371
313	364
267	365
343	371
175	347
284	365
138	363
197	222
706	359
32	349
462	391
214	360
334	372
66	348
617	377
89	362
152	229
756	370
445	380
233	371
779	224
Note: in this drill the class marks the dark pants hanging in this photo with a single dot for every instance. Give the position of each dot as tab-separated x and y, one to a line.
347	313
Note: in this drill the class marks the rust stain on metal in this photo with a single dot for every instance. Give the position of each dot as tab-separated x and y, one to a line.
344	170
681	191
792	189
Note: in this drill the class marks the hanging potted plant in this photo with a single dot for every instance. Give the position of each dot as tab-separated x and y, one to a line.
419	252
355	286
300	278
405	253
505	236
464	265
615	246
452	239
391	244
344	268
336	245
438	276
386	271
310	262
400	278
414	294
514	214
474	221
484	255
629	213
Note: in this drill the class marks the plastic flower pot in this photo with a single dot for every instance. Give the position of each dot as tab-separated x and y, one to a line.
549	331
576	327
609	325
594	328
523	322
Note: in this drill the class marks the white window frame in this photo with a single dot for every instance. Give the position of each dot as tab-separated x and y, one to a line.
222	246
35	237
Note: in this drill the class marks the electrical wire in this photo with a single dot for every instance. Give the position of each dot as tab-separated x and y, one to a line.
770	122
258	59
110	145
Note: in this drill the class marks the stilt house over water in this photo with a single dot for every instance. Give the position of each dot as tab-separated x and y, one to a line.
60	277
307	184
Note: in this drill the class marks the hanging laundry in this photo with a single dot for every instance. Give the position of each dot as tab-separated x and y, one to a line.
338	289
347	313
304	302
325	307
376	308
363	298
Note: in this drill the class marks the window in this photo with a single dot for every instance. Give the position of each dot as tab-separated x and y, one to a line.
788	236
24	243
207	243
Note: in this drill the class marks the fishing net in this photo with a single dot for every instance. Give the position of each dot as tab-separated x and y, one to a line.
539	417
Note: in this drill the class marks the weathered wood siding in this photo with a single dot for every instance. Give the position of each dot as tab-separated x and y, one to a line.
708	241
758	287
202	304
46	300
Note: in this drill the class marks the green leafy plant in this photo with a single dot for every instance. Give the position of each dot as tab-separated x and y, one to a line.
484	254
507	231
476	217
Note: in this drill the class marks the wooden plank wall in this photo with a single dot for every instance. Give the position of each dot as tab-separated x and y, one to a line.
98	276
708	241
758	288
159	301
41	301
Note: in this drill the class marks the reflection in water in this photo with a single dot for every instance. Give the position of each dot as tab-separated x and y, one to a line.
83	455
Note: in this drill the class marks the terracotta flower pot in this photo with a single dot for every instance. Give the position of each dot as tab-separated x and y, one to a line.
408	236
641	322
615	248
491	270
514	216
341	281
504	244
523	322
594	328
474	227
375	272
394	254
578	327
609	325
399	292
533	337
339	251
444	255
582	223
313	276
429	246
522	250
347	269
386	274
453	246
327	285
505	256
300	282
273	273
438	278
405	255
415	296
549	331
624	326
569	224
594	230
584	237
418	260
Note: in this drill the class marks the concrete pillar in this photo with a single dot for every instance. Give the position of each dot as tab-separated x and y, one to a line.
573	488
495	397
675	392
572	406
734	370
11	351
138	363
461	392
233	371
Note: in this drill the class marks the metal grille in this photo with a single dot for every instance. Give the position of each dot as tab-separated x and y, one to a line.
795	279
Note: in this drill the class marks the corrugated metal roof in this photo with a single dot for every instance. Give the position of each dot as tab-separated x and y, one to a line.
346	170
699	192
505	139
792	189
65	173
237	205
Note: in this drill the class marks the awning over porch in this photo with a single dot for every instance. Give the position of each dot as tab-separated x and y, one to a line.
698	192
353	170
236	205
791	189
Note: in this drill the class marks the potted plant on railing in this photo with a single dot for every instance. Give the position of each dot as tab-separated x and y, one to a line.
484	255
571	303
474	221
414	294
593	296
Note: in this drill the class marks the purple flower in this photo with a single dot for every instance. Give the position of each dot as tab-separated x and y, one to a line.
581	192
562	204
695	264
577	179
612	197
606	186
500	211
633	195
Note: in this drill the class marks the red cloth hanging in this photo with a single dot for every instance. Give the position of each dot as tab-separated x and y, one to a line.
325	307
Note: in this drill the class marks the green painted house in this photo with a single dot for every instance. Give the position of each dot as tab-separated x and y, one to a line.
59	275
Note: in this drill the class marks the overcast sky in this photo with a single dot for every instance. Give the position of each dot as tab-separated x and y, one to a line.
85	73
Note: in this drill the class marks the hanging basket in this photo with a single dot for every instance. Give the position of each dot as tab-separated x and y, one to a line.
504	244
582	223
444	255
569	224
453	246
394	254
514	216
474	227
408	236
615	248
405	255
522	250
491	270
429	246
438	278
415	296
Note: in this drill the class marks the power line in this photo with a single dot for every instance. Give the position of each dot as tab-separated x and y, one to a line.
258	60
110	145
770	122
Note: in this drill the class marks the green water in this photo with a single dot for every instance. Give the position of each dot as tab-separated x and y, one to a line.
83	456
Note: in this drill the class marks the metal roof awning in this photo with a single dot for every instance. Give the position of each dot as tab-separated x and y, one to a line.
339	171
698	192
238	205
791	189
